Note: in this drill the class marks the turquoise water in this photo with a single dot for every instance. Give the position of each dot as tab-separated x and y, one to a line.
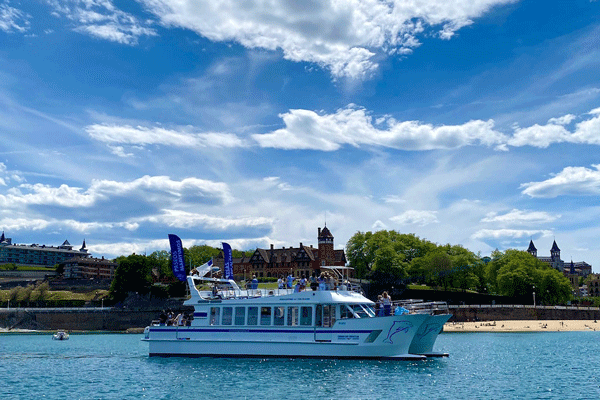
561	365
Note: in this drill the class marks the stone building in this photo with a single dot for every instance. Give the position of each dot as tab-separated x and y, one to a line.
302	260
89	268
36	254
593	285
580	268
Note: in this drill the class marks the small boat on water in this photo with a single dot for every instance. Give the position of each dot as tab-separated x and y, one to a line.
61	335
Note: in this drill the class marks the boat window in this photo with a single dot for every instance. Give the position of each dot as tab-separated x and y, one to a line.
306	316
265	315
328	316
369	309
240	315
214	315
279	315
360	311
292	318
227	315
319	315
252	315
346	311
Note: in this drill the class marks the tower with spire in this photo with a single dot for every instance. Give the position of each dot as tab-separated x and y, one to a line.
532	250
555	252
326	252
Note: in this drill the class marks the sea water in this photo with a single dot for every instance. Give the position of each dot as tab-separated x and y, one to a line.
548	365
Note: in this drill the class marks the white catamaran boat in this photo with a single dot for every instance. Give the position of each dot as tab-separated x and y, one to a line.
340	323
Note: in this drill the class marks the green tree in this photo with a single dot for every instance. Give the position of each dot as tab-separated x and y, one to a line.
133	274
43	289
199	255
15	293
161	264
385	250
518	273
359	254
552	287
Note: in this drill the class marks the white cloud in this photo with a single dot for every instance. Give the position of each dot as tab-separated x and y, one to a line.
344	36
12	19
497	234
416	217
564	120
521	217
585	132
187	220
570	181
139	135
160	190
354	126
539	136
101	19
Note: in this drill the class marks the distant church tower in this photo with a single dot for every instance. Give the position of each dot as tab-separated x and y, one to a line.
532	250
555	252
326	253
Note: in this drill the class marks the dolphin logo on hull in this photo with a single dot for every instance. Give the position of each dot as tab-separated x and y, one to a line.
397	326
429	328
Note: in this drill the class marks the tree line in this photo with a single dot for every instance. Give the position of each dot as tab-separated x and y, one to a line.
410	259
380	256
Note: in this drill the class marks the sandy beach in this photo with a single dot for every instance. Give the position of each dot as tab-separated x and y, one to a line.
523	326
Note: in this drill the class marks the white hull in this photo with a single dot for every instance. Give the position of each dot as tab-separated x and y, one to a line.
321	324
427	334
382	337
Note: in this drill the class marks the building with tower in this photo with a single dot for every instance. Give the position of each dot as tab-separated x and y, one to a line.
580	268
38	255
302	260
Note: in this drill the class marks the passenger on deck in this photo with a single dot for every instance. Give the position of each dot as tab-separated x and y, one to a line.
332	284
302	283
387	304
298	287
280	282
254	282
313	282
321	280
290	281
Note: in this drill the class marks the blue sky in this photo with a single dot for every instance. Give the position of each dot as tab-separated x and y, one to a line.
473	122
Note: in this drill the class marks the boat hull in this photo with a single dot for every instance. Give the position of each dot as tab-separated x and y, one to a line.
369	338
427	334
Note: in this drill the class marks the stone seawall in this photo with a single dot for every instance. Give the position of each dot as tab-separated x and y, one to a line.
522	312
110	319
82	319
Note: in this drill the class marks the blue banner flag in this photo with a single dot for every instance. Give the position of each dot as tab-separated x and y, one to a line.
228	262
177	261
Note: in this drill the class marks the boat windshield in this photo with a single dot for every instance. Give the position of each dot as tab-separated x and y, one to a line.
357	311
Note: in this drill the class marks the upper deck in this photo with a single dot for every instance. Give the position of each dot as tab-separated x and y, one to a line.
228	291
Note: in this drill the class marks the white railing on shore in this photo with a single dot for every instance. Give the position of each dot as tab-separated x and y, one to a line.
56	309
479	306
